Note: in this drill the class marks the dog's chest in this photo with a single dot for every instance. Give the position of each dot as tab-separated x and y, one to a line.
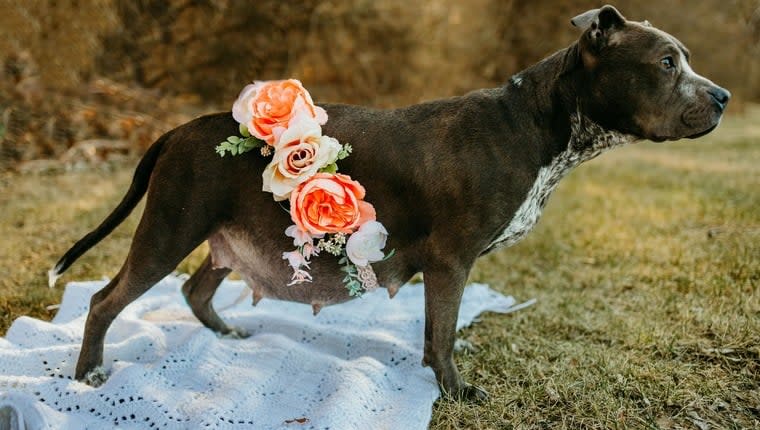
529	212
587	141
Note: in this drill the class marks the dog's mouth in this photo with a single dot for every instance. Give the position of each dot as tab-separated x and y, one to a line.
699	118
659	139
702	133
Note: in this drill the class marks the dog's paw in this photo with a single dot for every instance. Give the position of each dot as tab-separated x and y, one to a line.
473	393
234	333
468	393
96	377
464	345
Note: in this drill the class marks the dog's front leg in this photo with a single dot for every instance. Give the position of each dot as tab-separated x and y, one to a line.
443	293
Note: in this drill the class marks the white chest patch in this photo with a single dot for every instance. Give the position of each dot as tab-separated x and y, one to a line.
587	140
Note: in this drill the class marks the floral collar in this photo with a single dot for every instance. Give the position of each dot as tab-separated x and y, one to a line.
327	208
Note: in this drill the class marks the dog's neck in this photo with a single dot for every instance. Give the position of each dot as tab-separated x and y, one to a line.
583	138
574	139
589	139
554	86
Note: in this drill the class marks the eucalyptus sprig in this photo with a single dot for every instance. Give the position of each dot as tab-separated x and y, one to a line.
236	145
345	151
351	281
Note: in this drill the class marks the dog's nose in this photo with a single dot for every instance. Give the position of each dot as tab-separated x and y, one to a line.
720	95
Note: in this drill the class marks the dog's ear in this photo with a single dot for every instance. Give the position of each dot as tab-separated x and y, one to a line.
600	23
602	19
584	20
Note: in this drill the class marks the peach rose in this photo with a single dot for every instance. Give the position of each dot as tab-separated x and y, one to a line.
300	152
330	203
266	107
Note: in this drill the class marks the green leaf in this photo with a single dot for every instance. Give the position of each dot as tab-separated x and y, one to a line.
345	151
235	145
244	130
223	148
389	254
330	168
252	142
354	288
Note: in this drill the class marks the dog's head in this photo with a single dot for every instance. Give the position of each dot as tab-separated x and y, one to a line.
638	80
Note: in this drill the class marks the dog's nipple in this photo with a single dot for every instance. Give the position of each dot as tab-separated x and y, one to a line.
316	307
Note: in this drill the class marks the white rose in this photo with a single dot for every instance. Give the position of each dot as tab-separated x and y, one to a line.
364	245
300	152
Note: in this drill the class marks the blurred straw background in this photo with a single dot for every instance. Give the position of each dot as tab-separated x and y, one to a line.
107	77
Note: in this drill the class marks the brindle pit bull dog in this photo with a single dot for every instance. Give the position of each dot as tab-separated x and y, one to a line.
451	179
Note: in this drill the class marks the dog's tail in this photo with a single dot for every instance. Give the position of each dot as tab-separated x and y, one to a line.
135	193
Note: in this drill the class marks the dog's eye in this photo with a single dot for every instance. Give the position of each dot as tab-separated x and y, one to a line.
668	63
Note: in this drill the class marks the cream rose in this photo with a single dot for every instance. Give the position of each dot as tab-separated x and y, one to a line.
300	152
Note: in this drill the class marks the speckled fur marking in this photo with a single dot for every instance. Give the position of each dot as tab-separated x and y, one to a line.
516	80
587	140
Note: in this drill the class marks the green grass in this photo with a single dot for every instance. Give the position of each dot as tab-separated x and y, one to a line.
646	267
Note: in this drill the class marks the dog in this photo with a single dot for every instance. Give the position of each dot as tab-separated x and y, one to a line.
451	179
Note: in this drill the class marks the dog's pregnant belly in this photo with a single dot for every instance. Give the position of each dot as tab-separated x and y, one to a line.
268	274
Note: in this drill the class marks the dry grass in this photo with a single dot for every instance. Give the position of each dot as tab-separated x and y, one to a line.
646	267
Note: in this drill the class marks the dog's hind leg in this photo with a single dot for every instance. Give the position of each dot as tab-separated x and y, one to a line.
157	248
105	305
200	289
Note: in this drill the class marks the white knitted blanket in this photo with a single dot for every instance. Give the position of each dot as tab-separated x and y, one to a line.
353	366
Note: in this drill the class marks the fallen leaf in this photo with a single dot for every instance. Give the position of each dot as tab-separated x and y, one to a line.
302	420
